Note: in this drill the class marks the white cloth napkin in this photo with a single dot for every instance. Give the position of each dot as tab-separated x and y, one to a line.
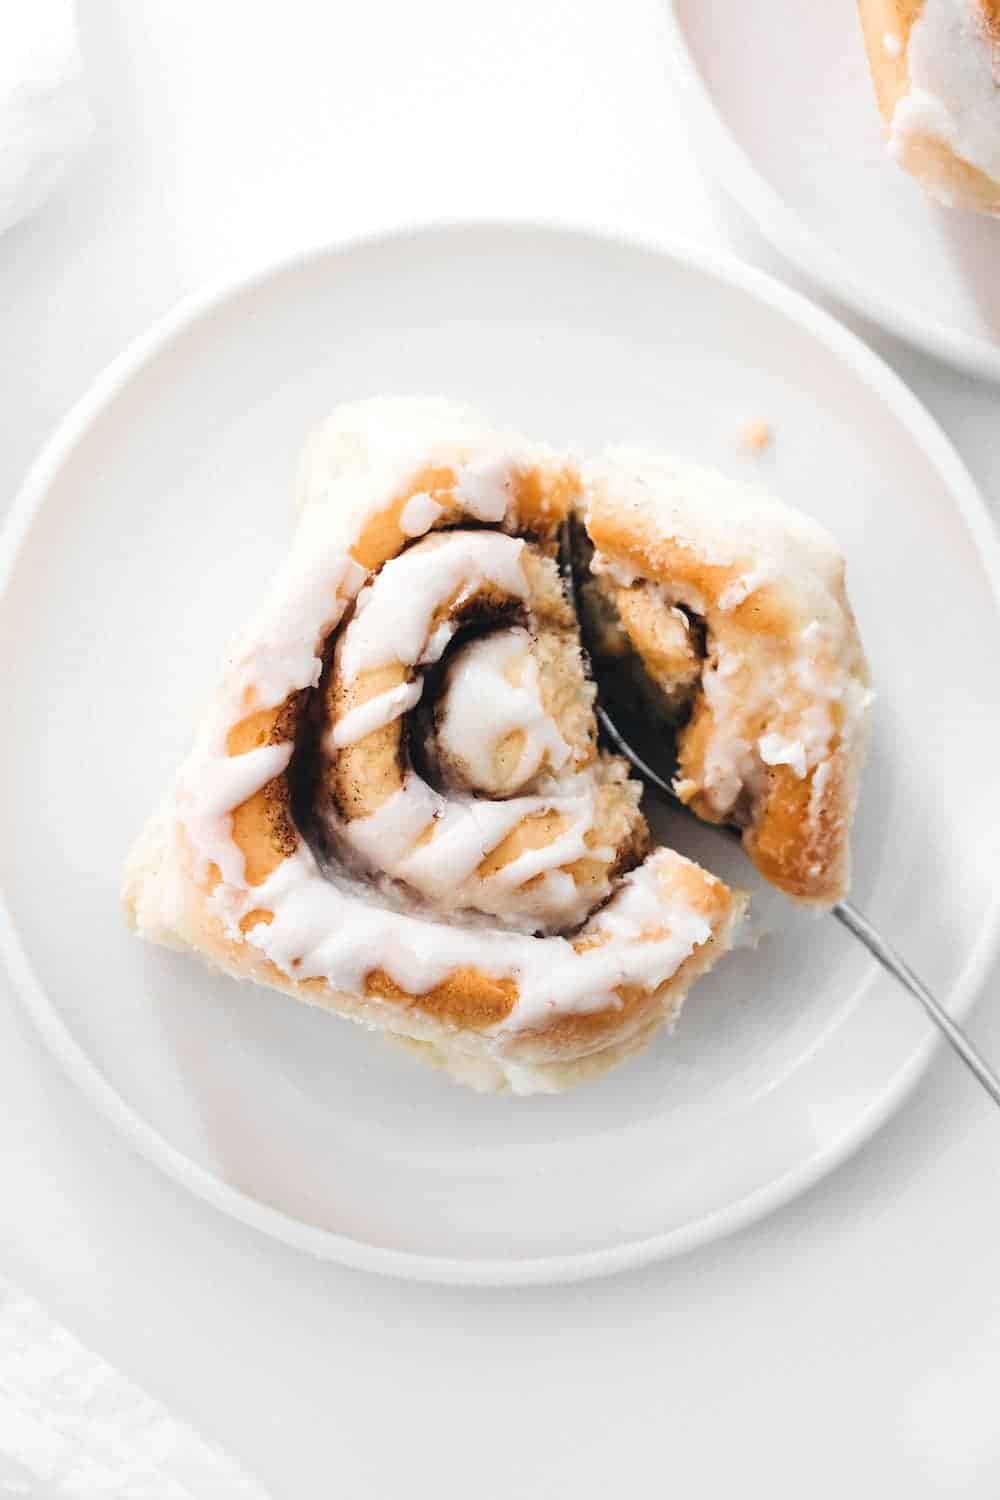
44	115
73	1428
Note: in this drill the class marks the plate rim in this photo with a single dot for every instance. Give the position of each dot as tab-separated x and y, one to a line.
924	431
828	270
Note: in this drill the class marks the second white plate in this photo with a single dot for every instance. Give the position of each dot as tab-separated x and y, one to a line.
783	104
143	538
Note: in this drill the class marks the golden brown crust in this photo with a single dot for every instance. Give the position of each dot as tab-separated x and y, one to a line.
467	998
798	847
991	15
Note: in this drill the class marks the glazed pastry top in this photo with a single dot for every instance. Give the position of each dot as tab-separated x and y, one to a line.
952	55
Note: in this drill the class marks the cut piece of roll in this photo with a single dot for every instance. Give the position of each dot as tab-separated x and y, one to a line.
396	807
936	68
725	616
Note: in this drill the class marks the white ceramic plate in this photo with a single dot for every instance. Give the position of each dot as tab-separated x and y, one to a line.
147	528
783	103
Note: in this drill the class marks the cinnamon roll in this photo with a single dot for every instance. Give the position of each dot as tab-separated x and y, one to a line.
396	806
936	68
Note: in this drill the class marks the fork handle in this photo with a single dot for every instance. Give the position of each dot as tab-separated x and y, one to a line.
877	946
855	923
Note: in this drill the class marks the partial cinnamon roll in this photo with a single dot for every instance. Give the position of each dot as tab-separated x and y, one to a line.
936	68
396	807
725	617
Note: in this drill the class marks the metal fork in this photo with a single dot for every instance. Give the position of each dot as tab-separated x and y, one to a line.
846	914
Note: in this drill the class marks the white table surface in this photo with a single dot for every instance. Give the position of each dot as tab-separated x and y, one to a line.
850	1342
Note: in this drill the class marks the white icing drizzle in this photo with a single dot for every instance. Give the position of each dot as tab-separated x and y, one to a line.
953	94
891	44
208	790
230	781
419	514
775	750
482	707
566	847
320	931
484	488
397	611
746	584
358	723
465	831
277	655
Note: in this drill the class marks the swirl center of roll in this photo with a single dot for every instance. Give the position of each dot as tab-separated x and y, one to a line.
459	750
495	724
